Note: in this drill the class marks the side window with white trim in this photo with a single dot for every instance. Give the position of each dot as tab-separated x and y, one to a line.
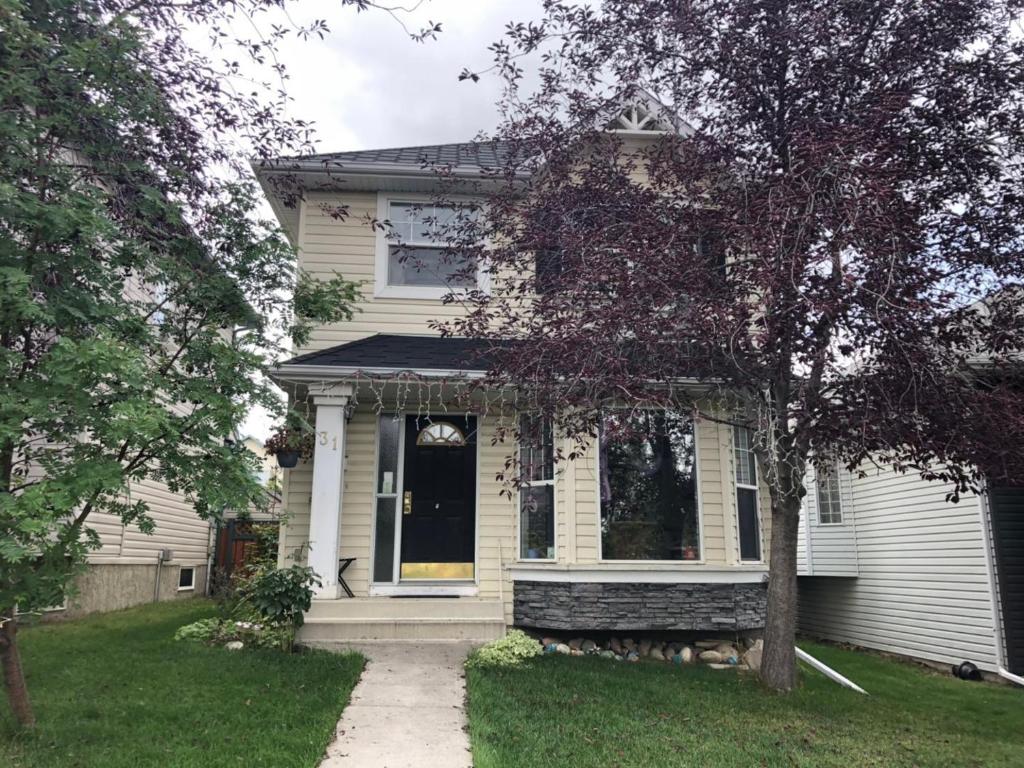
830	507
747	518
537	493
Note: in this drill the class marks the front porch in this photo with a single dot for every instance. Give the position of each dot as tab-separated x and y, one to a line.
406	480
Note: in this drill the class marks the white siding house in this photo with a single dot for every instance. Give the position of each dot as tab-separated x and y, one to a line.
905	572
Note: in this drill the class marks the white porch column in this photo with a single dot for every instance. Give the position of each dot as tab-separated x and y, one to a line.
328	488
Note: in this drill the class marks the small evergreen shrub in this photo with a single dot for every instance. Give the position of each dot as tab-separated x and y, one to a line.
508	651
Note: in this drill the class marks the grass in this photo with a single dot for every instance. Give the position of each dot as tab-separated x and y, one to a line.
117	690
592	712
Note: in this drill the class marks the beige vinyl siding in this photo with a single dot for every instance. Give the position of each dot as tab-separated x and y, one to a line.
922	589
828	550
177	527
328	245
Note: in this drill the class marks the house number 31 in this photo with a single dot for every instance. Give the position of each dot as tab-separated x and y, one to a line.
324	437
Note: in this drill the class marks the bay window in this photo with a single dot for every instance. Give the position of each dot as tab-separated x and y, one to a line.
648	486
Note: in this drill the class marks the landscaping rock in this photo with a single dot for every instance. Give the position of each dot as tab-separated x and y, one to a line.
752	658
645	648
633	656
722	666
686	653
656	653
707	645
550	641
551	648
615	646
728	652
629	644
235	645
562	648
607	654
576	643
589	646
575	652
710	657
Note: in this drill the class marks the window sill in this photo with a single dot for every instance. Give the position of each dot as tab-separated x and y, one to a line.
615	573
425	292
187	589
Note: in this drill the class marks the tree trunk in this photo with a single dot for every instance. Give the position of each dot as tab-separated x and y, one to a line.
778	664
14	675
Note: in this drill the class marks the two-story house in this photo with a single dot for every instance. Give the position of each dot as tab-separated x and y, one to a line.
404	476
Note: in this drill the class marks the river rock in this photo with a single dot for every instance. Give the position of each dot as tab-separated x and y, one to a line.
589	646
707	645
550	641
710	657
656	653
633	656
235	645
575	652
728	652
606	654
629	644
645	648
686	654
615	646
576	643
563	649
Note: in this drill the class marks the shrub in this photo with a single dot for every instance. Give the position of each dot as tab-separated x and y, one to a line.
202	631
280	595
508	651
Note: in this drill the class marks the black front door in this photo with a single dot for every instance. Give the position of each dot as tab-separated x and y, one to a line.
439	497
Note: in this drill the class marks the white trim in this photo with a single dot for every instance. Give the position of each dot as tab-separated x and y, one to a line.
183	569
699	500
381	288
603	574
193	562
432	589
839	500
985	511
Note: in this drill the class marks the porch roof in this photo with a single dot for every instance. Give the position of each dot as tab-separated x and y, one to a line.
396	353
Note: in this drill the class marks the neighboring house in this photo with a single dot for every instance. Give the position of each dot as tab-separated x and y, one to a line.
406	484
885	562
132	567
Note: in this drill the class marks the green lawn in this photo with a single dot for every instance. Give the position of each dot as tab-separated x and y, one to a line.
591	712
116	690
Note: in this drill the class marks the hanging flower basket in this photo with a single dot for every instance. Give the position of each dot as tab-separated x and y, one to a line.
289	445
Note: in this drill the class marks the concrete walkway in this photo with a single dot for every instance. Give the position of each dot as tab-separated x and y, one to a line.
407	710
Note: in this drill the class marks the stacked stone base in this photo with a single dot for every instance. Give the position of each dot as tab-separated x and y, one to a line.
652	607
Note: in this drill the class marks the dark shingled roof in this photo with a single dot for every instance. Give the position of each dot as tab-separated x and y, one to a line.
474	154
432	353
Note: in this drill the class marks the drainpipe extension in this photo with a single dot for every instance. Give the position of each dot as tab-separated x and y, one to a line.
1011	677
828	671
161	557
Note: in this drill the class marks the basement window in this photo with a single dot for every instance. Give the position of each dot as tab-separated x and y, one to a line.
186	579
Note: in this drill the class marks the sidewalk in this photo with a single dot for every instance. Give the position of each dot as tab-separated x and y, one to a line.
407	710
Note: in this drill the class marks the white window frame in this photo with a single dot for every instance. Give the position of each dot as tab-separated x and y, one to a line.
757	501
192	583
700	506
554	511
839	499
381	288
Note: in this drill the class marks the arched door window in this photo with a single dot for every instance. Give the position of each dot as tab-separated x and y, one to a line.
441	433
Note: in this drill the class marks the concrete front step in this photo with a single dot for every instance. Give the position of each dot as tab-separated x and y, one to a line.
363	619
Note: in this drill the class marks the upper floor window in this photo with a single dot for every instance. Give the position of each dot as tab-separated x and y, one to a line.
648	476
412	259
830	509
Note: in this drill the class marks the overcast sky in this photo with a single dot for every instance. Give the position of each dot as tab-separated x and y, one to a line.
366	85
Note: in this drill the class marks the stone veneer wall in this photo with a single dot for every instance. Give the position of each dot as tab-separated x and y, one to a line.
618	606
